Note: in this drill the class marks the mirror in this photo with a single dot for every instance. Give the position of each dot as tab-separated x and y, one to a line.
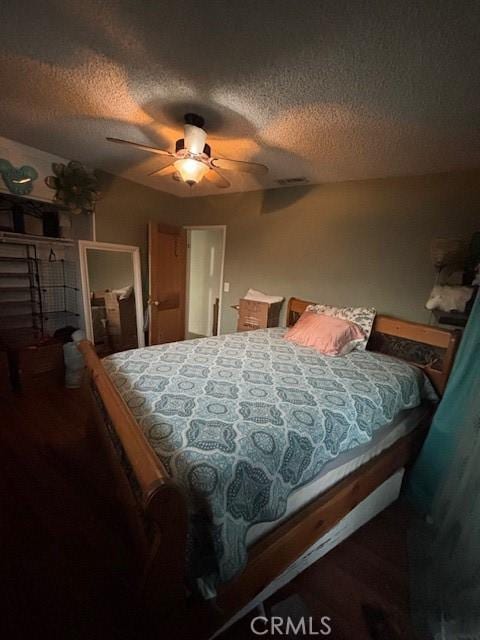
112	296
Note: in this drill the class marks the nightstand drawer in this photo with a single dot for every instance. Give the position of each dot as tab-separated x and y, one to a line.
248	325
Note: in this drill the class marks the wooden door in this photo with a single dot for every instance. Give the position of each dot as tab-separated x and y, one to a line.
167	260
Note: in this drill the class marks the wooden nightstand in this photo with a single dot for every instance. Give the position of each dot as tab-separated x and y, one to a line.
257	315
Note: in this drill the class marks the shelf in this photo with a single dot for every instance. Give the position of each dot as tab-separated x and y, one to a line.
15	289
25	274
45	314
15	259
17	302
33	198
452	318
28	236
18	316
58	286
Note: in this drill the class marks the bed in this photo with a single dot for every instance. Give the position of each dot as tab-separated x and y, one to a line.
250	457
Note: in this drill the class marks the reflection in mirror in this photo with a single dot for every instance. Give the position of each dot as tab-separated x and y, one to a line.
112	300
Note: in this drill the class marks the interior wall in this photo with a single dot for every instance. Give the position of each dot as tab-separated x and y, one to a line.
205	255
123	213
352	243
109	269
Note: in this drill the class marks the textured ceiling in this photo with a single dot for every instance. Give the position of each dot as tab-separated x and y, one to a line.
329	90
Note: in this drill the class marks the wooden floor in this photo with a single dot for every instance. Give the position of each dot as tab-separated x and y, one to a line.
65	563
363	580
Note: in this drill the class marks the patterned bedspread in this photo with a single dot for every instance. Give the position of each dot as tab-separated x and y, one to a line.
242	420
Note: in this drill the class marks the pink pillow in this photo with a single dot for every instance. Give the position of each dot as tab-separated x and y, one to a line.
327	334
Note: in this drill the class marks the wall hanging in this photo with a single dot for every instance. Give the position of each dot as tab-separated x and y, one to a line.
18	180
75	187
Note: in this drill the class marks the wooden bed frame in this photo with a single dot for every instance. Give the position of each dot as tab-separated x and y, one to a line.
163	506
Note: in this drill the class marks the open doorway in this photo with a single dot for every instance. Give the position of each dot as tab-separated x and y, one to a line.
205	258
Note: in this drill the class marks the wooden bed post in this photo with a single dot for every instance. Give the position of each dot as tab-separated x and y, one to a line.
164	580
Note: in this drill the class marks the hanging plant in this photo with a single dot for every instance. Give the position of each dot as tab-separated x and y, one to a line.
75	187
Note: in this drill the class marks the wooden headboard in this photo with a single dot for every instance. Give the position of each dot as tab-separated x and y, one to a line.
430	348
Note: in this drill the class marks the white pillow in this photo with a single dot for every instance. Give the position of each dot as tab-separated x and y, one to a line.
362	316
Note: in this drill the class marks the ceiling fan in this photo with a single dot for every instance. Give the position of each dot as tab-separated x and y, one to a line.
192	159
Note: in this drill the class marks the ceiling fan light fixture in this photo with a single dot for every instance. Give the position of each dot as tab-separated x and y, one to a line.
191	170
192	159
194	138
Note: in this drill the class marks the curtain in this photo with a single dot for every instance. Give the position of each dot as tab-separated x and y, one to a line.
445	547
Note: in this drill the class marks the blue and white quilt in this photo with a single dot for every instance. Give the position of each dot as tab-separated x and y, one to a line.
242	420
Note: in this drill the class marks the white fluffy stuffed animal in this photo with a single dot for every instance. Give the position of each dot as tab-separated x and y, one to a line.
448	298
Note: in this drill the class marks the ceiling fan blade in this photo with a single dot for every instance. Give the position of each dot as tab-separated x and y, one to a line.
239	165
144	147
217	179
194	138
164	171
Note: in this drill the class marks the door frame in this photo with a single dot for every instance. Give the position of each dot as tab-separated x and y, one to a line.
83	245
191	227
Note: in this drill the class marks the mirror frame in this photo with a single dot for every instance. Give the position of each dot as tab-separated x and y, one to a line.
83	246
